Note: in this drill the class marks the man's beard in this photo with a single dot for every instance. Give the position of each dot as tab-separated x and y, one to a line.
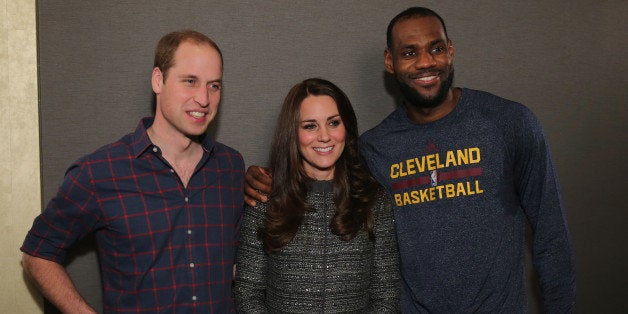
414	98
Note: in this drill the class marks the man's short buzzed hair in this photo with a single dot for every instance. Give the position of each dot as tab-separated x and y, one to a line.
412	12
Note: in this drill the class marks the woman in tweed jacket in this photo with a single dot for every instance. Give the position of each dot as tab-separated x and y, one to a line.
325	242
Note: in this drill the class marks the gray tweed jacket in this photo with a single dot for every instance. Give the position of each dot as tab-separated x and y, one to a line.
317	272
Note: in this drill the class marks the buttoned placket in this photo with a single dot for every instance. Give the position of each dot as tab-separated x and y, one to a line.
186	199
189	232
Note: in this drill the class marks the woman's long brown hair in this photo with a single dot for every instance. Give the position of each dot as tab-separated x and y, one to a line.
355	190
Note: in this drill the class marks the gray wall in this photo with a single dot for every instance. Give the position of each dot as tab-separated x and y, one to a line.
563	59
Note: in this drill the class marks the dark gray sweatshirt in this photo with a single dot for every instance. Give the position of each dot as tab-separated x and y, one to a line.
463	188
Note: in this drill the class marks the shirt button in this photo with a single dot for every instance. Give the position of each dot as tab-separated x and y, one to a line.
191	265
186	199
189	231
171	170
155	149
194	298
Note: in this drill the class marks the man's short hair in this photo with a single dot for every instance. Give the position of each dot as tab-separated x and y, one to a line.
168	44
412	12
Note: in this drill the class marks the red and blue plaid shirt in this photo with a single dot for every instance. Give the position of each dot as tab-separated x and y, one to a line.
162	247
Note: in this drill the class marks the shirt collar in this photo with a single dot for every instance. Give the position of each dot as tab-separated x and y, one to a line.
140	142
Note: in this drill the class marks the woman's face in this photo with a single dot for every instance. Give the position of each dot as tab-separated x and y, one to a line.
321	136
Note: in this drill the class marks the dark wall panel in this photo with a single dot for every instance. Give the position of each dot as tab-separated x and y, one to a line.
565	60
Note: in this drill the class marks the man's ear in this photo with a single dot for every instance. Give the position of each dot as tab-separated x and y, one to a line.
157	80
388	62
450	49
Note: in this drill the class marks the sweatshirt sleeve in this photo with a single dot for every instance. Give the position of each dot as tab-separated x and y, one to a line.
538	187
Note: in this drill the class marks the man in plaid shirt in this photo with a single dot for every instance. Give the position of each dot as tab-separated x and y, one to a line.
164	202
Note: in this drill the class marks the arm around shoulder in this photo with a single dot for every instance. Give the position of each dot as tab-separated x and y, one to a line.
257	185
55	284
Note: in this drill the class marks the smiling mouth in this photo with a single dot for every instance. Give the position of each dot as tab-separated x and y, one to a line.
197	114
323	150
426	78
